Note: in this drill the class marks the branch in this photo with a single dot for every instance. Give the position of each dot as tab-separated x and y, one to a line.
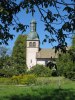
63	3
59	13
45	19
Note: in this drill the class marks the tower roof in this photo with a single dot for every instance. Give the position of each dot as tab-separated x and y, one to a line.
33	34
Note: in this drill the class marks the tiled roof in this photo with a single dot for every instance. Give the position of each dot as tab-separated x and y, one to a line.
46	53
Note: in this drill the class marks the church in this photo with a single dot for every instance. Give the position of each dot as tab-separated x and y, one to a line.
34	54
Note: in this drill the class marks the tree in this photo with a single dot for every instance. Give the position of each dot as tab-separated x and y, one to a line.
19	53
66	62
8	68
72	49
73	42
64	15
3	55
5	62
16	63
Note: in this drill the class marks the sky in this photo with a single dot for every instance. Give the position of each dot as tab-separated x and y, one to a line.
26	19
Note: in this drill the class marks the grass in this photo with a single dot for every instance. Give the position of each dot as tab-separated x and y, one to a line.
44	89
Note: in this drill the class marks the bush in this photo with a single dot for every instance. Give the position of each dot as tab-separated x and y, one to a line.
8	71
21	69
24	79
54	73
28	79
66	65
40	70
4	81
16	79
70	75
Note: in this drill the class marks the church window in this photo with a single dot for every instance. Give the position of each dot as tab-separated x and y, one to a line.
30	44
34	44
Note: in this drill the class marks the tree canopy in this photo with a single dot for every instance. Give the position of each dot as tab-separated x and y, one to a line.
64	15
66	62
19	53
3	54
6	68
16	63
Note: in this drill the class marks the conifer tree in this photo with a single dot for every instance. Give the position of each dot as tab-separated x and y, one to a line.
19	53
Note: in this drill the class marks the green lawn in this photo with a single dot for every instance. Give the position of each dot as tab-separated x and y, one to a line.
44	89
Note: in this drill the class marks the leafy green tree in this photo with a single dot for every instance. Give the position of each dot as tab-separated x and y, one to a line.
73	42
72	50
5	62
8	69
40	70
3	55
66	62
19	53
64	15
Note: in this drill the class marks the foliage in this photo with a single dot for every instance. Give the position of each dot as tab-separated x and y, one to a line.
4	81
20	79
63	15
8	71
66	62
66	66
19	54
70	75
72	50
7	67
5	62
8	11
3	51
28	79
73	42
40	70
16	63
3	56
24	79
39	92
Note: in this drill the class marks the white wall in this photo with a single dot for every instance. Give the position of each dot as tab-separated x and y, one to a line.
42	61
31	54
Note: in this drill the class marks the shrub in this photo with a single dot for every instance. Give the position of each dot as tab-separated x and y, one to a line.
4	81
70	75
66	65
8	71
24	79
54	72
16	79
40	70
28	79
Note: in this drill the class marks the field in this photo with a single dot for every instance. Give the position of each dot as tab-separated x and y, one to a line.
53	88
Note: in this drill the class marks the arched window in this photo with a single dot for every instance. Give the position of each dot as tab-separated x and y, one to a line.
30	44
34	44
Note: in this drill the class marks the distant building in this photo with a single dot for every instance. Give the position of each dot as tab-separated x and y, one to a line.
35	55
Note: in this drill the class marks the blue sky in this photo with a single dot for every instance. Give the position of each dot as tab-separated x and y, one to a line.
25	19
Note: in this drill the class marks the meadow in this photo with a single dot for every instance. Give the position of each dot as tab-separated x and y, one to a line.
45	88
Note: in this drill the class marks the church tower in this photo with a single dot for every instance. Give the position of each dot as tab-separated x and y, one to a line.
32	45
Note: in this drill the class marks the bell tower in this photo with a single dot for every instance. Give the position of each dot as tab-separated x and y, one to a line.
32	45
